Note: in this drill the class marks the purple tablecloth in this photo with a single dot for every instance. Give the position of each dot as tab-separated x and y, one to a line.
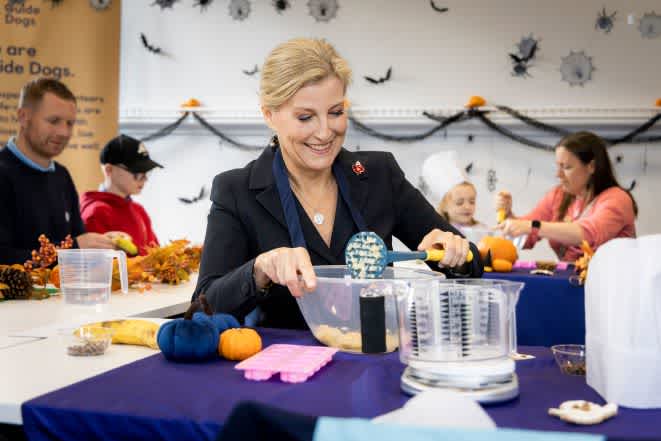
550	310
155	399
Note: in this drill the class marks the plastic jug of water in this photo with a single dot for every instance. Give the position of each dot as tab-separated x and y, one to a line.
86	275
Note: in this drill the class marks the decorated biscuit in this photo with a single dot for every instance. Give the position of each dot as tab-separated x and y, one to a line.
584	412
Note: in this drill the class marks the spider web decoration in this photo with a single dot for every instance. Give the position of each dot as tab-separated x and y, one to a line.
203	4
605	21
281	5
527	48
576	68
239	9
164	3
323	10
650	25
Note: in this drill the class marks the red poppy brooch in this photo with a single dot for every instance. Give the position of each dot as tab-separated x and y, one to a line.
358	168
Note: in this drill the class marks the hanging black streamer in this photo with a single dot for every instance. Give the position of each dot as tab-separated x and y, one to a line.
633	137
533	122
511	135
629	137
165	131
224	137
407	138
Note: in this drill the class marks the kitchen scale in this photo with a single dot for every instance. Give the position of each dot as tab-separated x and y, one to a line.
458	335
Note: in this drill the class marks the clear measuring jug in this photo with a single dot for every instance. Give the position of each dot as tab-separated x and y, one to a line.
86	275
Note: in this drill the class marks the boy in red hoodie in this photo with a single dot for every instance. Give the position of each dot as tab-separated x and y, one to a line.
125	163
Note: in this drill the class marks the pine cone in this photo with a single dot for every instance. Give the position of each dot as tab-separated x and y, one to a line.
18	281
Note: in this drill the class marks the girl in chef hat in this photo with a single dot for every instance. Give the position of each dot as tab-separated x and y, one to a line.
449	185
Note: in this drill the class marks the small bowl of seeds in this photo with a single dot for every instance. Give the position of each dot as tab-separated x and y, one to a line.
86	340
570	358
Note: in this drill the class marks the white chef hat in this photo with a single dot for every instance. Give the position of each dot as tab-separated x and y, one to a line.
441	172
623	322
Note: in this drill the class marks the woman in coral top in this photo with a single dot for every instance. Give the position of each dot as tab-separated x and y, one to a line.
589	203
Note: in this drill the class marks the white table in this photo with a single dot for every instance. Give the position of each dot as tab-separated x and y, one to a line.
43	365
34	360
38	318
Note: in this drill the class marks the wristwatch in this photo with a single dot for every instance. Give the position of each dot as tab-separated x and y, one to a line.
535	225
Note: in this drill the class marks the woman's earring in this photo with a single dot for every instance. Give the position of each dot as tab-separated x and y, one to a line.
274	144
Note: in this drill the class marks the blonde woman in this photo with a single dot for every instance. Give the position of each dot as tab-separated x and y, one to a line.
298	203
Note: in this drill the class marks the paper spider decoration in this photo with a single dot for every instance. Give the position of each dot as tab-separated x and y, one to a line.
605	21
281	5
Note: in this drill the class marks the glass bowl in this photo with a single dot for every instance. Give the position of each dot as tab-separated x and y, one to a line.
570	358
333	309
86	340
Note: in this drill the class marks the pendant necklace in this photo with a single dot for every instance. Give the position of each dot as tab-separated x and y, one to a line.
317	217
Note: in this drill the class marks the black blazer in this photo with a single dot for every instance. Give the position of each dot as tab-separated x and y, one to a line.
247	219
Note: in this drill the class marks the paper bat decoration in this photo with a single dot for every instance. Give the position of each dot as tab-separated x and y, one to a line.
436	8
251	72
194	199
149	47
382	79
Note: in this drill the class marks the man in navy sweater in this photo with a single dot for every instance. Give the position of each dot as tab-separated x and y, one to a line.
37	194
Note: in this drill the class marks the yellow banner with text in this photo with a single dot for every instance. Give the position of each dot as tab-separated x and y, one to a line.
76	42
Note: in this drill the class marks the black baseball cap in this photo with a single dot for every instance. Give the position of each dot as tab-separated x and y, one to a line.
129	152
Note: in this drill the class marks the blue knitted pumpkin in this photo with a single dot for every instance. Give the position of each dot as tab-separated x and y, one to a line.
193	338
188	340
222	322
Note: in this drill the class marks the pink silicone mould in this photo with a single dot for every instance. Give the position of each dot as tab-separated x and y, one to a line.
295	363
531	264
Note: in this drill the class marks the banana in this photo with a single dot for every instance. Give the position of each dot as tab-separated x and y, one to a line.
132	332
125	244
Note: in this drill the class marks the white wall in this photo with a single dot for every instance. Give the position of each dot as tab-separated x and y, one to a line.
438	61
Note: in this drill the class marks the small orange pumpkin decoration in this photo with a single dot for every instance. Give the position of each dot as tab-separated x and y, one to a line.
501	265
239	343
501	250
475	102
191	102
658	102
54	276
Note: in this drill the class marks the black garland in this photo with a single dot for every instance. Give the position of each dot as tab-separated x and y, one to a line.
629	137
407	138
443	122
511	135
533	122
165	131
224	137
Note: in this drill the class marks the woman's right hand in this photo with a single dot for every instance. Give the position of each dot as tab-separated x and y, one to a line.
504	202
283	266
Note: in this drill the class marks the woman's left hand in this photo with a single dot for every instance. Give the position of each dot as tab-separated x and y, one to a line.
515	227
456	247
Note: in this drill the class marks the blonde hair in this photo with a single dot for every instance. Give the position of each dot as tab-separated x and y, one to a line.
442	208
297	63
